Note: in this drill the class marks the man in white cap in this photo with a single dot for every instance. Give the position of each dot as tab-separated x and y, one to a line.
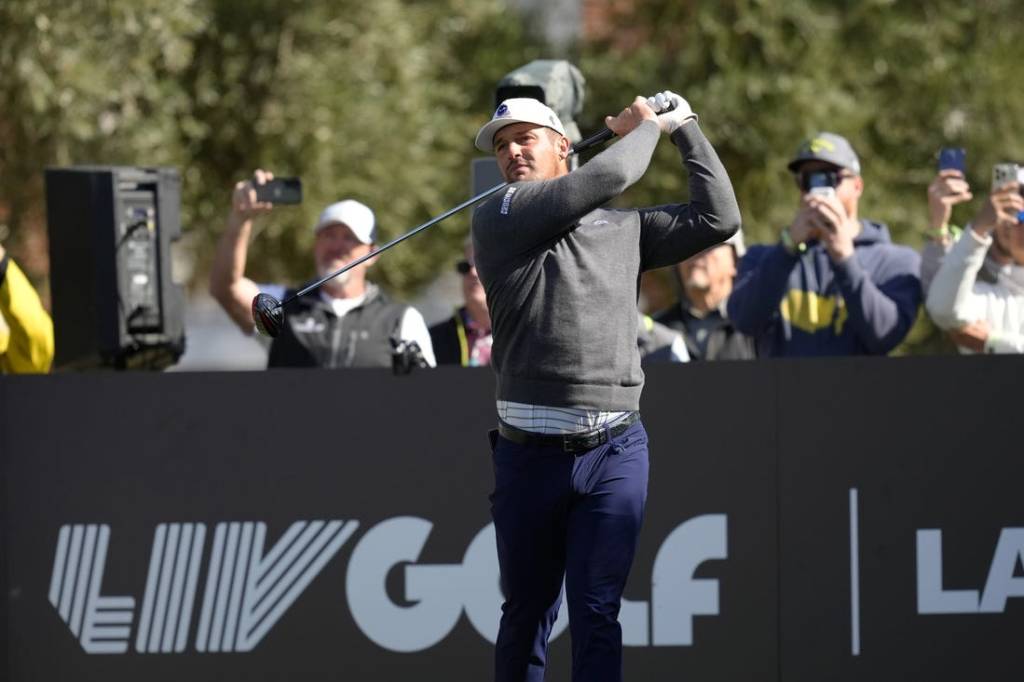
562	278
349	321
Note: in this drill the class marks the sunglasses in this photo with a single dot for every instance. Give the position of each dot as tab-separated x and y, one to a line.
463	267
808	180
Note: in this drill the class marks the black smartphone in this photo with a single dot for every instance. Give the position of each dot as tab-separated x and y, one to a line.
953	158
280	191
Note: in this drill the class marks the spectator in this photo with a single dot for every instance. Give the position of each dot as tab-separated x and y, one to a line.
948	189
465	338
834	284
985	316
26	330
705	282
348	322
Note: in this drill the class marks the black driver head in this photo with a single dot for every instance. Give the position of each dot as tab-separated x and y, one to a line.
268	315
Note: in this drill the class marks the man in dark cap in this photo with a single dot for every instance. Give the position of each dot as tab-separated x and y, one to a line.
834	284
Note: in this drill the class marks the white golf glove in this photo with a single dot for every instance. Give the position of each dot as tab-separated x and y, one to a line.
680	110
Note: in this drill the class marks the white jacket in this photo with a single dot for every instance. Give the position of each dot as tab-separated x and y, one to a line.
957	298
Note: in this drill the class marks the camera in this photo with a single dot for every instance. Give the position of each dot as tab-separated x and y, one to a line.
405	355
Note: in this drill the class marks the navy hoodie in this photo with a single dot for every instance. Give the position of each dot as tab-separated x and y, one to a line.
806	305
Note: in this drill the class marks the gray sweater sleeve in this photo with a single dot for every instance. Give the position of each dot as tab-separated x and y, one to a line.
529	213
673	233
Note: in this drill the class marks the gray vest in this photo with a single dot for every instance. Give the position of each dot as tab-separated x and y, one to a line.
313	336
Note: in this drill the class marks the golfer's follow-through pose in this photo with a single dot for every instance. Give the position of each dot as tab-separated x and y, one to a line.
562	279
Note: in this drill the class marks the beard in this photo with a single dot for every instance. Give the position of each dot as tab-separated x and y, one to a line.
338	283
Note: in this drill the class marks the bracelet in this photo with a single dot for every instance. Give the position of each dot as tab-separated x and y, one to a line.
791	247
937	233
951	230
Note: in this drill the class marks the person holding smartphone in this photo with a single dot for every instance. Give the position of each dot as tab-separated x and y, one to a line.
985	313
349	322
948	189
834	284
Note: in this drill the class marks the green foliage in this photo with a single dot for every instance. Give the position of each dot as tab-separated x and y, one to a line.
900	80
377	101
87	82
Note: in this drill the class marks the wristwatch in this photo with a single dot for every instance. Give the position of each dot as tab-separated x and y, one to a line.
791	247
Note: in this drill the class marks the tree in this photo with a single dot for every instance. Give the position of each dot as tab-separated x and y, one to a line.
377	101
900	80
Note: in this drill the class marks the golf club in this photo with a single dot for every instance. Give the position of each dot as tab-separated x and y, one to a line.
268	312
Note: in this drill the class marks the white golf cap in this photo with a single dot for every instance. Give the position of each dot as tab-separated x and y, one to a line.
517	110
357	216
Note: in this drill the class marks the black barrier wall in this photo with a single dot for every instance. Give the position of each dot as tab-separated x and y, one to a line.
807	520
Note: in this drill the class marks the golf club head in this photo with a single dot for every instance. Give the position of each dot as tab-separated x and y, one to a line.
267	315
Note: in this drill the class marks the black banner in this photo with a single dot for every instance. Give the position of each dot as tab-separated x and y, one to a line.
807	520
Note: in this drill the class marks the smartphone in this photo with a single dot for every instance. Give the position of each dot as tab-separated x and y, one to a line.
1003	173
953	158
280	191
821	183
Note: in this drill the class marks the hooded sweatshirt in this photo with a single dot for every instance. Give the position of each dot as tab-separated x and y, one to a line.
804	304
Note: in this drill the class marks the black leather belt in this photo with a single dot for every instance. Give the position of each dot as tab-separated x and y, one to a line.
568	442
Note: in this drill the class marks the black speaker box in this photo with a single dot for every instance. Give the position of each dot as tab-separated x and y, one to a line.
114	301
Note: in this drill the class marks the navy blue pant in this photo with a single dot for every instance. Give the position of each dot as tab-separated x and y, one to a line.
574	516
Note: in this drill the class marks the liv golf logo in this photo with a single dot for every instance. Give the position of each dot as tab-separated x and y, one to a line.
246	592
249	587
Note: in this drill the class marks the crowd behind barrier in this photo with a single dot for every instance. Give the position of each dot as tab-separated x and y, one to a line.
833	284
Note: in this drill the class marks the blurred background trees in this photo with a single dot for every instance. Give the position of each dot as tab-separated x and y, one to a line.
898	79
380	101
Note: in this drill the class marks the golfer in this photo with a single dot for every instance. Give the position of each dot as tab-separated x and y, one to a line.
562	277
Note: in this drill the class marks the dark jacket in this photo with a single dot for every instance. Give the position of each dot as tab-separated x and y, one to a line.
723	342
804	305
313	336
451	344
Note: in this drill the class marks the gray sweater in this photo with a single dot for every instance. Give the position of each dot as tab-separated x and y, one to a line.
562	274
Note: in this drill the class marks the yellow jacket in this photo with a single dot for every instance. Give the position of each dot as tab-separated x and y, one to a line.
26	330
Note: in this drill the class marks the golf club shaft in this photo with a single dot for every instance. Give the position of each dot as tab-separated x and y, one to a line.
398	240
596	138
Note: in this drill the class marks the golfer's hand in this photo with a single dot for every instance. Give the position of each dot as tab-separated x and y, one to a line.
630	117
673	111
244	205
2	252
